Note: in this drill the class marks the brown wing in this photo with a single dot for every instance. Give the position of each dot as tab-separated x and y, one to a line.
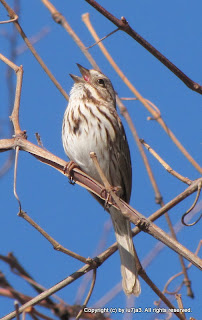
124	165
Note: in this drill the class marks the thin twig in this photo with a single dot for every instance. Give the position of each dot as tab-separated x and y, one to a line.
180	304
59	18
39	141
88	295
105	37
33	39
165	165
171	280
17	268
151	103
50	291
182	262
11	84
55	244
100	247
165	290
15	178
15	113
192	207
16	304
129	99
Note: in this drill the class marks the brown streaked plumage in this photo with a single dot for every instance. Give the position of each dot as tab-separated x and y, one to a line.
91	124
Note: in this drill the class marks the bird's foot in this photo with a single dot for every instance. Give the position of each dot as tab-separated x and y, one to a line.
68	169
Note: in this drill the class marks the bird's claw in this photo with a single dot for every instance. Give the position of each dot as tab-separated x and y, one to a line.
68	169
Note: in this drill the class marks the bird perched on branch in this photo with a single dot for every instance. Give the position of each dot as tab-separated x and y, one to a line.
91	124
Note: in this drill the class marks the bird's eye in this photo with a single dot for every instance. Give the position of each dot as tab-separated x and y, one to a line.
101	82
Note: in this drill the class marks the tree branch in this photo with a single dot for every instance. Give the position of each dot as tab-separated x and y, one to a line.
123	25
93	186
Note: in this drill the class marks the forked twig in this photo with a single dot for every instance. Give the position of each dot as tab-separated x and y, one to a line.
88	295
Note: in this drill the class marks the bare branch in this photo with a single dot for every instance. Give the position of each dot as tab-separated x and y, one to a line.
34	52
133	215
123	25
155	114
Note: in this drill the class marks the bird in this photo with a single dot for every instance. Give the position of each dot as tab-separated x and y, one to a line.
91	124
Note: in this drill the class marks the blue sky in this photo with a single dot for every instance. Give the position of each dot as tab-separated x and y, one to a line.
68	212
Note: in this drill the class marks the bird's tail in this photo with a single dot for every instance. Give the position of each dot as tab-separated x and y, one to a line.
130	282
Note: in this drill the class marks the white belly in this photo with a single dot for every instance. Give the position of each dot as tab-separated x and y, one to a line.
91	137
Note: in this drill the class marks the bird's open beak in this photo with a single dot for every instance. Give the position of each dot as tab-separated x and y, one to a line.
76	78
84	72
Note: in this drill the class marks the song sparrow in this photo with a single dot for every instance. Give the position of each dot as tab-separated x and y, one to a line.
91	124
